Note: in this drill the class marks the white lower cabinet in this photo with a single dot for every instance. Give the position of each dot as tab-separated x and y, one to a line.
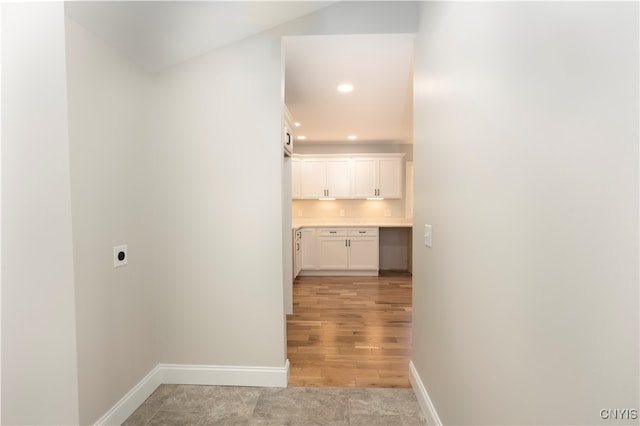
308	249
297	252
349	251
363	253
333	253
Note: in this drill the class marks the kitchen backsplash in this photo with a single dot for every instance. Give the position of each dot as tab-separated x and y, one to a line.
348	209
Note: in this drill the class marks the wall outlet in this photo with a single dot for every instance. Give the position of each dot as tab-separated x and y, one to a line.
387	212
120	256
341	212
299	212
428	236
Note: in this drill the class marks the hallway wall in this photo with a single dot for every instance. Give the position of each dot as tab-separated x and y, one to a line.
111	187
218	215
39	366
526	164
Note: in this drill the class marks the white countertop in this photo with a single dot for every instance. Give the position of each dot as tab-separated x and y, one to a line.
377	222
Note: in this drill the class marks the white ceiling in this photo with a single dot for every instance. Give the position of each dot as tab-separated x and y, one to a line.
160	34
380	67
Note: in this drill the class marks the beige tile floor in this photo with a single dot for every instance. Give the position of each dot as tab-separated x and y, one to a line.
234	405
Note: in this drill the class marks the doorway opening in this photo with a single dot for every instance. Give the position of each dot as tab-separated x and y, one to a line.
349	99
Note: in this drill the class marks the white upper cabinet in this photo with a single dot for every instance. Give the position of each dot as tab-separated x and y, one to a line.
390	177
322	177
313	177
347	176
364	177
377	177
339	178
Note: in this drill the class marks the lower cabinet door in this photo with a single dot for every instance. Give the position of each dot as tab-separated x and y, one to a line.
297	259
363	253
332	253
308	257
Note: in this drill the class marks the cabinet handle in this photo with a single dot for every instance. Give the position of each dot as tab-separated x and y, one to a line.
362	232
297	246
333	232
349	243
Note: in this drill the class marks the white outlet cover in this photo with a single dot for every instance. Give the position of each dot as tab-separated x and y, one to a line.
428	236
118	258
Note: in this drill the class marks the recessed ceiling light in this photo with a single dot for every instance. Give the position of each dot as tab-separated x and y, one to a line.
345	87
301	137
296	124
352	137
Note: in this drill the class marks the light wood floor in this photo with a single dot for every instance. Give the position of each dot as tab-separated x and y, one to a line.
350	331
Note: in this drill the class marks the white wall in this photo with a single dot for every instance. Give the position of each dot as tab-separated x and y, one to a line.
215	174
219	211
526	165
111	186
219	168
39	379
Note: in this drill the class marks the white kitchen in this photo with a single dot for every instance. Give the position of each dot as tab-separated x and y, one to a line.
347	140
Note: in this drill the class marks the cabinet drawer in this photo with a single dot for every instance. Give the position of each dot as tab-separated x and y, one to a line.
363	232
332	232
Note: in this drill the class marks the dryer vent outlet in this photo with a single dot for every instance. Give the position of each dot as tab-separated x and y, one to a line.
120	256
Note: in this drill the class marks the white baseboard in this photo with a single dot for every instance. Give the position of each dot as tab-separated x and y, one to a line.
225	375
423	397
132	400
338	273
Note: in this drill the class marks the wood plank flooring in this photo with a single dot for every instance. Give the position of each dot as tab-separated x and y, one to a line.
350	331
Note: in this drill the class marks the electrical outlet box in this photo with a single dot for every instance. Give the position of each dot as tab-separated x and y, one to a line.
341	212
387	213
299	212
120	256
428	236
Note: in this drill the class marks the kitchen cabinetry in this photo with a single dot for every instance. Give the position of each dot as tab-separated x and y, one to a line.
297	252
321	177
287	131
347	176
308	248
333	250
377	177
363	248
348	249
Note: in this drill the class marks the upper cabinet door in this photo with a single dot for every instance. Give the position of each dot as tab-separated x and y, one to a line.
339	178
377	177
313	175
364	177
389	178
